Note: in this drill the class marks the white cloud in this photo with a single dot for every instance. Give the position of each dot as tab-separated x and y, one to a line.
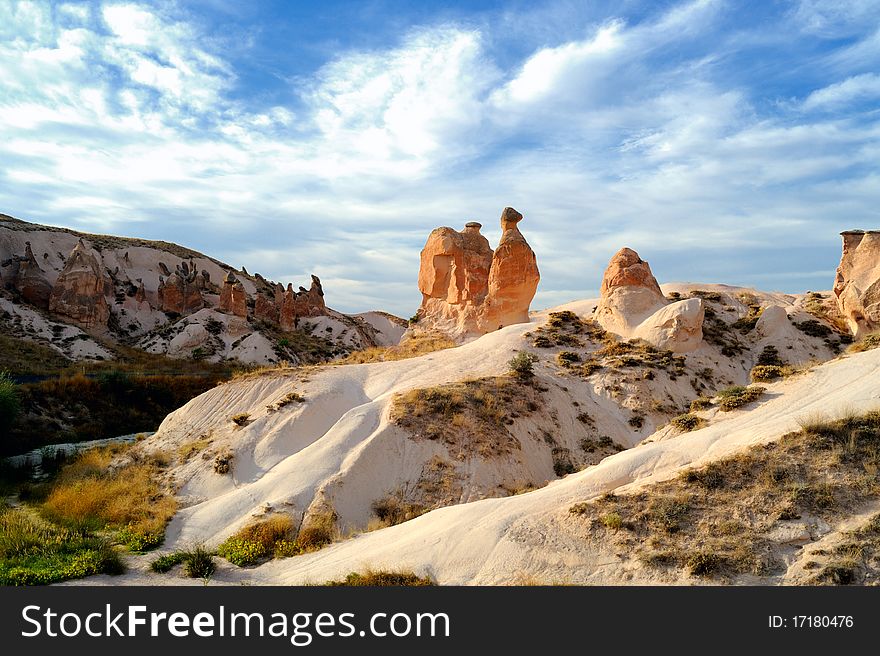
125	116
551	70
857	87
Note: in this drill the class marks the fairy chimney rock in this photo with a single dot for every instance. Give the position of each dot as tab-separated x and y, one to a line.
30	281
857	285
78	293
233	298
633	306
467	288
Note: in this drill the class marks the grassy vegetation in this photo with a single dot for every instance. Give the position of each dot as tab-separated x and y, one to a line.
276	537
701	403
392	510
521	365
739	396
240	419
764	373
687	422
747	323
866	343
470	417
383	578
717	521
825	308
198	562
25	357
9	401
34	552
410	347
565	328
127	499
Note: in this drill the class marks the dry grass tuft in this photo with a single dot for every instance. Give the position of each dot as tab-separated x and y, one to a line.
383	578
866	343
92	494
410	347
716	521
471	417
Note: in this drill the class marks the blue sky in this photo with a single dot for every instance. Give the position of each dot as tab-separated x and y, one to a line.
725	141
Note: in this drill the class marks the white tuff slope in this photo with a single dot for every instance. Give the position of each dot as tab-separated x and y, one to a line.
497	540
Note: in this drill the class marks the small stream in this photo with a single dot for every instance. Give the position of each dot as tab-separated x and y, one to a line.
34	459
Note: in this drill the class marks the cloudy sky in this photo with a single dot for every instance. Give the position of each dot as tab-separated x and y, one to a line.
725	141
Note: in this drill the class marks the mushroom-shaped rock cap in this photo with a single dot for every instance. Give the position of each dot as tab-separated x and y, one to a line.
230	279
509	218
473	225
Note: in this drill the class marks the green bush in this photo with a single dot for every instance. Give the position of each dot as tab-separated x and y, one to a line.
383	578
198	563
766	372
522	365
34	553
738	396
770	357
166	562
9	401
611	521
241	419
701	403
867	343
686	423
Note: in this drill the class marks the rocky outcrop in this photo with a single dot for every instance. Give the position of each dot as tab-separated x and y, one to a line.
295	305
180	293
857	285
23	274
233	298
513	277
633	306
469	290
266	309
310	302
79	292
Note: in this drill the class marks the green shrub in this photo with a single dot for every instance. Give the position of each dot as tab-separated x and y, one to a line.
703	563
686	423
198	563
813	328
241	419
766	372
739	396
522	365
770	357
701	403
166	562
9	400
867	343
383	578
274	537
611	521
34	553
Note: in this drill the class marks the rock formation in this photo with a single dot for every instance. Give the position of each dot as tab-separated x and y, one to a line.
266	309
469	290
79	291
513	277
180	293
857	285
633	306
23	274
233	298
